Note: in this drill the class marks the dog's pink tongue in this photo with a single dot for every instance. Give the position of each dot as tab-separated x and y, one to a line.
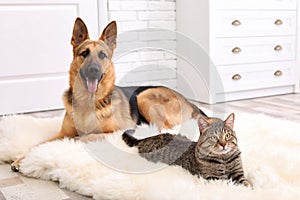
92	85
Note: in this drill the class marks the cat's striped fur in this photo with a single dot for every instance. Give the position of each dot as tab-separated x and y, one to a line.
214	156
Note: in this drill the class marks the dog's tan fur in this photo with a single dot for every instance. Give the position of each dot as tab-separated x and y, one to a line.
108	110
164	107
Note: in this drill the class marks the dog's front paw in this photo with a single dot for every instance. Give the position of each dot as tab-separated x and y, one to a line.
15	166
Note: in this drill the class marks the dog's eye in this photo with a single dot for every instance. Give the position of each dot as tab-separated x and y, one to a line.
85	53
102	55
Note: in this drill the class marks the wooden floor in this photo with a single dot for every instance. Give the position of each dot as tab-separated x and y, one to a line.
282	106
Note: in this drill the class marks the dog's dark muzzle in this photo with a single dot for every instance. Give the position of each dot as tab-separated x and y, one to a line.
91	76
93	72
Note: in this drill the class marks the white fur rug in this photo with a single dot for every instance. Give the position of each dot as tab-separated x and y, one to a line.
269	146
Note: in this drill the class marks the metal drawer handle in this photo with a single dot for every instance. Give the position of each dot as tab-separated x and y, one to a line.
236	77
236	50
278	73
278	22
236	23
277	48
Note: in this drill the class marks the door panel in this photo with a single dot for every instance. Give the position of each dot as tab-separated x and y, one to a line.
35	51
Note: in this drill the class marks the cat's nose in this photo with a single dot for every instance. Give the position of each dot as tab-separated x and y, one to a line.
223	144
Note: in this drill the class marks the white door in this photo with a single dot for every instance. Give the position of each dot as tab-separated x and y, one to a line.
35	51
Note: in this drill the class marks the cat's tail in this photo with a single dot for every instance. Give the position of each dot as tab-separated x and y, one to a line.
129	139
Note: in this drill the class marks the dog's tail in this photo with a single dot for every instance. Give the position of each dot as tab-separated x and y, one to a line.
129	139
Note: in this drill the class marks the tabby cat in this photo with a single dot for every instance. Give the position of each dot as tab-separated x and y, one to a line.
214	156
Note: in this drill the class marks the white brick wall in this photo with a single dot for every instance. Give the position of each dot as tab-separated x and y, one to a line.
162	5
145	57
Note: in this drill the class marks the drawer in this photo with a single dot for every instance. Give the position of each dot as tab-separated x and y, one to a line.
256	76
254	23
227	51
255	4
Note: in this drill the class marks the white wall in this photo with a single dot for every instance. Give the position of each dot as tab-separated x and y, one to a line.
147	55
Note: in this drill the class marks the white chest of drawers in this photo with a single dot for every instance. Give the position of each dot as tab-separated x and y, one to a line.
237	49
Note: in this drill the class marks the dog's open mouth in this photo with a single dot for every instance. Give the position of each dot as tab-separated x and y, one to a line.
91	82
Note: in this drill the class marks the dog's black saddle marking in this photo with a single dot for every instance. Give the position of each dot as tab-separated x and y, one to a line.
131	94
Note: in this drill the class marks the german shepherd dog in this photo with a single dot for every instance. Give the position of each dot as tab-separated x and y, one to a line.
95	105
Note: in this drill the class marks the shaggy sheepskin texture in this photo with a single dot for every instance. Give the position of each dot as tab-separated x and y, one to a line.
108	169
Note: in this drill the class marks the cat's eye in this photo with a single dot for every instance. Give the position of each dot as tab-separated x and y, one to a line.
102	55
214	137
227	136
85	53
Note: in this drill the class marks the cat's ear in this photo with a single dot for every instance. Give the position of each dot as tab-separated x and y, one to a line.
230	120
202	124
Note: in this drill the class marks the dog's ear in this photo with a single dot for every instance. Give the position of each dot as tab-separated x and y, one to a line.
109	35
80	32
